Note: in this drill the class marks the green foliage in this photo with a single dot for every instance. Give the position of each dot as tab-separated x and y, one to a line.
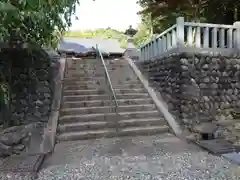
163	13
35	21
101	33
144	31
38	22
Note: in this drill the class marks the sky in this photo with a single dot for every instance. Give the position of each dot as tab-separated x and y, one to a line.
116	14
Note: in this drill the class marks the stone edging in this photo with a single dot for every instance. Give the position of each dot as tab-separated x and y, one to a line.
159	104
50	131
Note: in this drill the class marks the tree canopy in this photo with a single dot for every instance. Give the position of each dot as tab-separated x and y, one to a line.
163	13
107	33
143	34
36	21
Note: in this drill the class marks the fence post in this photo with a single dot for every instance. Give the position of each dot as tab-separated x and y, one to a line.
237	35
180	32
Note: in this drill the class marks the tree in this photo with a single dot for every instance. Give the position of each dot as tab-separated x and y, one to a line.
144	34
164	12
35	21
107	33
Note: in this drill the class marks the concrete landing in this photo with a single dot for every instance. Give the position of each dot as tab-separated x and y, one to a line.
159	157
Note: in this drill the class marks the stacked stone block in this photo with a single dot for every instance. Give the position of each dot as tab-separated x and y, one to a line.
196	87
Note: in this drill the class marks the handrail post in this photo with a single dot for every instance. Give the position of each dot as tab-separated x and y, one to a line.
180	32
237	35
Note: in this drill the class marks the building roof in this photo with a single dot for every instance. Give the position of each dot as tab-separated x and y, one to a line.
85	44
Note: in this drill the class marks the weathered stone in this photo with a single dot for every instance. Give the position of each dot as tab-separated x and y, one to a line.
11	129
237	126
19	147
39	103
205	66
5	150
217	78
11	138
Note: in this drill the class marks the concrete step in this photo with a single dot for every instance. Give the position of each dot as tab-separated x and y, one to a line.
148	130
85	68
104	97
92	77
97	81
83	92
84	135
108	116
107	109
107	133
87	78
81	74
97	125
99	85
128	85
73	104
110	67
101	91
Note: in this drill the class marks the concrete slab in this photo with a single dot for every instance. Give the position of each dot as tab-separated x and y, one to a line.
234	157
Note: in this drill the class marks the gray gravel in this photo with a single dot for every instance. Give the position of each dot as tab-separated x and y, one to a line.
136	158
17	176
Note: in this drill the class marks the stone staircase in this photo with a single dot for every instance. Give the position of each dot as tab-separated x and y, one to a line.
88	112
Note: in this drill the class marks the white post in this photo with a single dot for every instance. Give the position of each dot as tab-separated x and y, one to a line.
229	38
180	31
190	36
206	37
222	38
174	38
214	37
198	37
237	35
169	44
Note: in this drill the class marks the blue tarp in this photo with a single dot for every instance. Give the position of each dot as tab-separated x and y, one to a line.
84	45
70	46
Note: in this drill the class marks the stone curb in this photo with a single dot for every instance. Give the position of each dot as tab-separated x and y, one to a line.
159	103
50	131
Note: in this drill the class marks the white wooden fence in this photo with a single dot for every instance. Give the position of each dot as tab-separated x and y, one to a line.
191	34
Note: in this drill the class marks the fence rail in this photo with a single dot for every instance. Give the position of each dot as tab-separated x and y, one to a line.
192	34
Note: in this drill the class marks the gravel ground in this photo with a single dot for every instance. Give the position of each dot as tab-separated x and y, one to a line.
17	176
162	157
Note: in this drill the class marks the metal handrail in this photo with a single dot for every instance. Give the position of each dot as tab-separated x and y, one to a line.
107	77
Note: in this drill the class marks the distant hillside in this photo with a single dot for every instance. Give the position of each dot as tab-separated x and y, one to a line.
100	33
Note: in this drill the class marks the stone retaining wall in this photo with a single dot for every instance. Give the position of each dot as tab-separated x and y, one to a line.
32	85
196	87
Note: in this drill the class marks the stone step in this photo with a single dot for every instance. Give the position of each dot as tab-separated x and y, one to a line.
81	74
80	79
108	116
91	86
104	97
101	91
97	81
84	71
91	70
73	104
79	66
97	125
107	109
107	133
83	92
